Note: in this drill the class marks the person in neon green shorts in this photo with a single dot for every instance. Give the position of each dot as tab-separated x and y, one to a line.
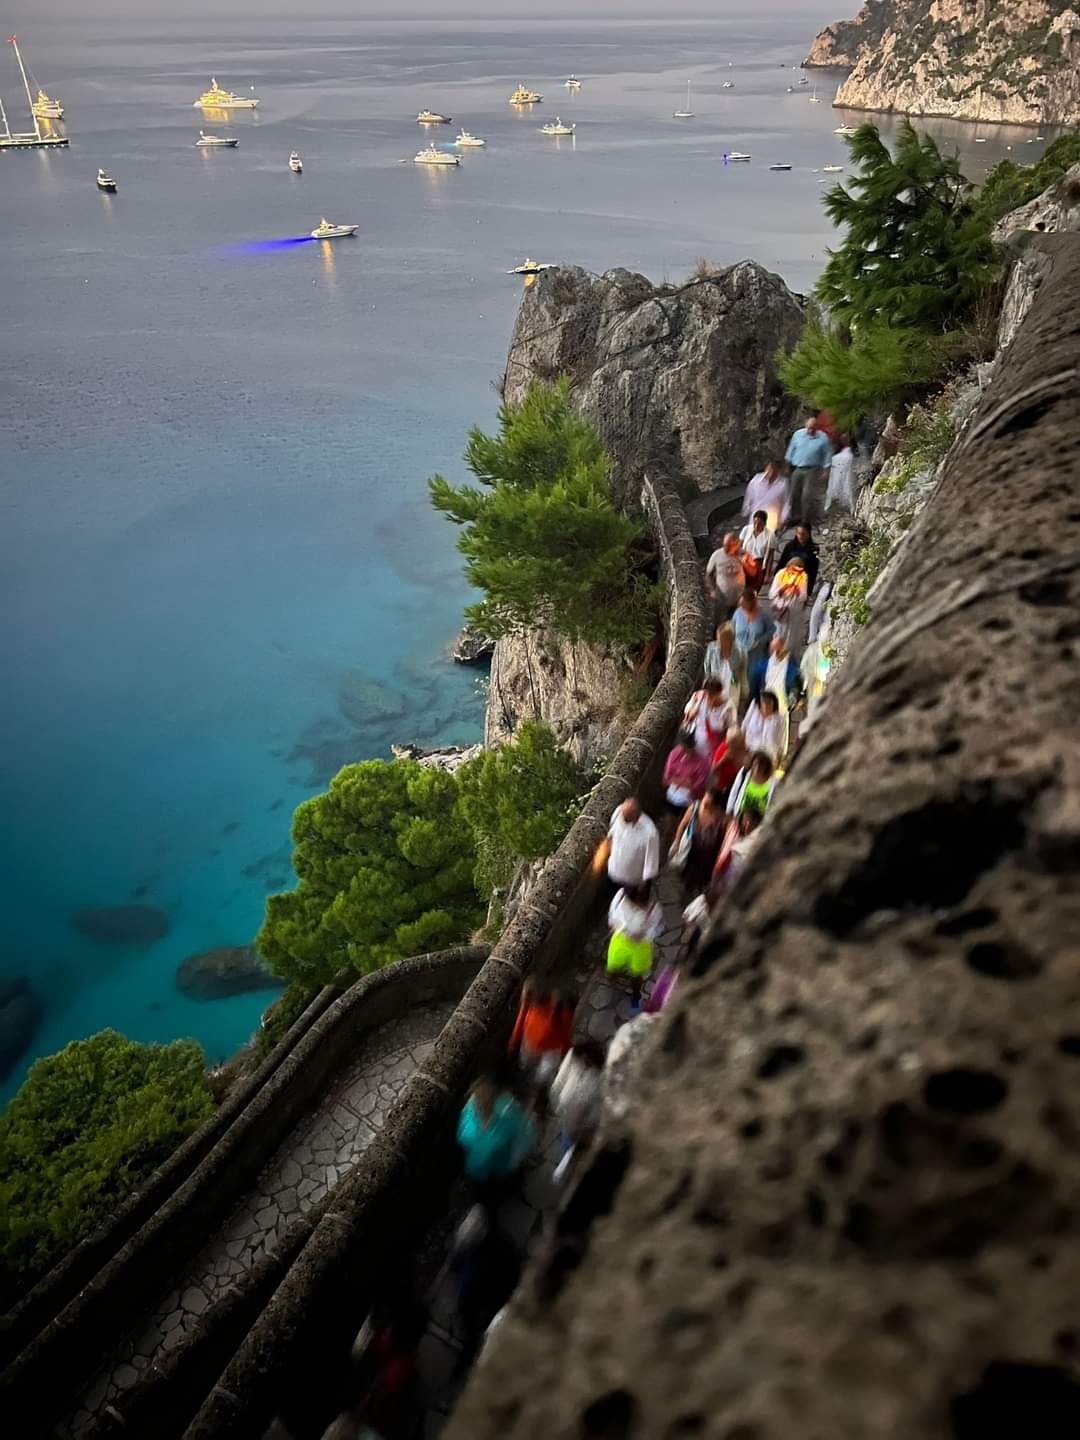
635	919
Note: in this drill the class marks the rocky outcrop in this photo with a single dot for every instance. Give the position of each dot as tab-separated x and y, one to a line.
122	924
225	970
20	1015
472	646
1056	210
449	758
677	378
846	1202
979	60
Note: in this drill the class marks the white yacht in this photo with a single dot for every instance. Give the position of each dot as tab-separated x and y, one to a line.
524	96
556	127
432	155
45	108
804	80
737	155
296	163
573	83
106	182
847	130
728	85
469	142
327	230
780	166
831	169
529	267
215	142
686	114
36	139
814	97
432	117
218	99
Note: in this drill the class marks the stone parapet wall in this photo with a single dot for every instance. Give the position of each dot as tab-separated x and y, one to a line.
377	1214
846	1202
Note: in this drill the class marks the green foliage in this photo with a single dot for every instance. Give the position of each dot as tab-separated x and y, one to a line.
88	1125
862	569
385	863
520	799
283	1014
542	540
928	436
1009	185
917	251
879	368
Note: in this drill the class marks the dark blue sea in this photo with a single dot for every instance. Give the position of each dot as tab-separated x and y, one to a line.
221	578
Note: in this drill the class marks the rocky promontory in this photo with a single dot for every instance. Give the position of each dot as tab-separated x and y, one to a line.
981	60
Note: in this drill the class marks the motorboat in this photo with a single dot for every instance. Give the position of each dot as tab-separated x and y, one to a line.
46	108
296	163
36	139
218	99
686	114
980	139
432	155
327	230
728	85
737	155
804	80
469	142
831	169
529	267
780	166
106	182
523	96
432	117
216	142
573	83
556	127
847	130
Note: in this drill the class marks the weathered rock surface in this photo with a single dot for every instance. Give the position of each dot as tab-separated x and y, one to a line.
472	646
1056	210
972	59
847	1203
20	1015
122	924
225	970
449	758
677	376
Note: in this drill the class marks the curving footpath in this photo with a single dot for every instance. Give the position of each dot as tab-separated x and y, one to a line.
320	1150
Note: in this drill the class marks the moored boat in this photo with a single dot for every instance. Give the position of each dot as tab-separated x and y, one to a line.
556	127
432	155
737	155
686	114
216	142
35	139
217	98
106	182
45	108
469	142
432	117
296	163
523	96
529	267
780	166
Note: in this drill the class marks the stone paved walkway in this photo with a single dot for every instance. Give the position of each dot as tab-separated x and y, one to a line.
323	1147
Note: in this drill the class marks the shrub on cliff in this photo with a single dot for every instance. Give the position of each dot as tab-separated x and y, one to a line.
542	539
1009	185
88	1125
385	864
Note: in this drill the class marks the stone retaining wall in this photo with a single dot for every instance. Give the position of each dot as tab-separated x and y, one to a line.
67	1349
378	1212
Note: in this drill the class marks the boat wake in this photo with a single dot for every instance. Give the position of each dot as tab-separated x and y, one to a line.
264	247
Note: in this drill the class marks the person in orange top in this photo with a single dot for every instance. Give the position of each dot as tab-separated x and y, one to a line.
543	1031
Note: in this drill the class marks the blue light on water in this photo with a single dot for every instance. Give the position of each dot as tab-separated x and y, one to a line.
263	247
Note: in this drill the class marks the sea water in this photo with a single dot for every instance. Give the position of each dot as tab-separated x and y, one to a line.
221	575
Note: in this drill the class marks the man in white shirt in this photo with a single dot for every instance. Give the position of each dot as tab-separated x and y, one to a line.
757	542
725	578
635	846
768	491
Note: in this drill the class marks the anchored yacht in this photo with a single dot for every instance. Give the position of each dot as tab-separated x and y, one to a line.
45	108
573	83
296	163
686	114
469	142
529	267
35	139
218	99
845	130
106	182
556	127
737	155
831	169
432	117
327	230
432	155
780	167
215	142
523	96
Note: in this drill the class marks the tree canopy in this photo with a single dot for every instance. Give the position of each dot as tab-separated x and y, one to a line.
1009	185
385	864
88	1125
542	539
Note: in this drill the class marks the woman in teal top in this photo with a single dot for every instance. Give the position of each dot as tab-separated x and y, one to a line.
753	629
495	1133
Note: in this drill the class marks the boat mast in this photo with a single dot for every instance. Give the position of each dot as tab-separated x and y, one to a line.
3	117
26	87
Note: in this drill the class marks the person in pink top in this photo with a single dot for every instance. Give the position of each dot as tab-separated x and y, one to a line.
685	773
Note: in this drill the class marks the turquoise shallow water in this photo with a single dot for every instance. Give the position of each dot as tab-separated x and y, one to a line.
215	527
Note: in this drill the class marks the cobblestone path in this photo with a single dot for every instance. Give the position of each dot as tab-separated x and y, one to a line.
323	1147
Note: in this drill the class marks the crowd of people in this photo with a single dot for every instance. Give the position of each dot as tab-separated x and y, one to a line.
764	672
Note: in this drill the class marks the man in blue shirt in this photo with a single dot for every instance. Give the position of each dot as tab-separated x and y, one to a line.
809	455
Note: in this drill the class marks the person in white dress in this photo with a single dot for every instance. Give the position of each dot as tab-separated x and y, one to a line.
841	487
768	491
765	728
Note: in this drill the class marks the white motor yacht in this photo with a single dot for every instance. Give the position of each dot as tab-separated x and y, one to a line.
556	127
529	267
296	163
831	169
432	117
845	130
469	142
216	142
36	139
524	96
573	83
106	182
327	230
728	85
737	155
46	108
780	166
432	155
218	99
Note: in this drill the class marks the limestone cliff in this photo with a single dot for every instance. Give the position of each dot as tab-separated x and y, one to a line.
985	60
680	377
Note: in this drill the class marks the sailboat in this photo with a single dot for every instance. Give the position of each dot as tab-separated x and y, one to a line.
686	114
24	140
813	98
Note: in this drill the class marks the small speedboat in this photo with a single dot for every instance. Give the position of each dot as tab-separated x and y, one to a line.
215	142
529	267
556	127
831	169
573	83
327	230
779	167
980	139
847	130
432	155
296	164
469	142
106	182
804	81
728	85
432	117
737	155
